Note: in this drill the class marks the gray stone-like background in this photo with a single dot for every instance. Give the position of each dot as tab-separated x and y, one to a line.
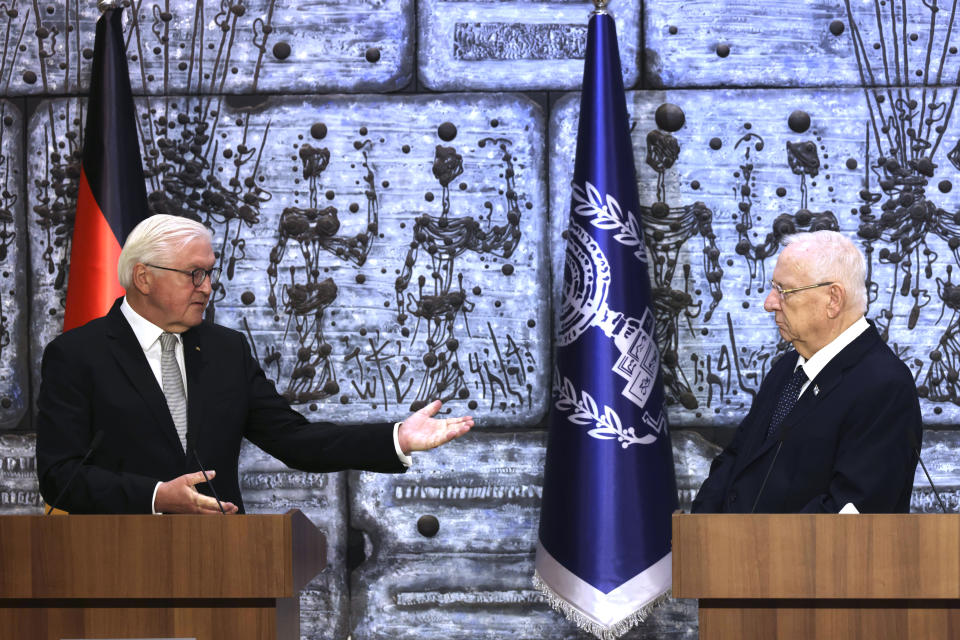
434	141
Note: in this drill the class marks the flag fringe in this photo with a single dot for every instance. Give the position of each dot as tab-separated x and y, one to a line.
602	632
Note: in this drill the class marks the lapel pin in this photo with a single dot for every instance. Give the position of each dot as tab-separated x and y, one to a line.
197	348
816	390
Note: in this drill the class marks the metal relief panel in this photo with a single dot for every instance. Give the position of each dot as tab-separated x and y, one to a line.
940	454
692	455
268	486
14	381
211	46
483	491
19	489
451	543
398	244
54	143
724	175
809	43
516	44
378	252
471	598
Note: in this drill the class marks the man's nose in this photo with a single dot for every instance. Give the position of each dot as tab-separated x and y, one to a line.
772	302
205	286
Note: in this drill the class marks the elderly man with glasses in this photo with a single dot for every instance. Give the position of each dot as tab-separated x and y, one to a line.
837	420
134	405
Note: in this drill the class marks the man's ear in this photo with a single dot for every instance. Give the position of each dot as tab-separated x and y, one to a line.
837	298
142	278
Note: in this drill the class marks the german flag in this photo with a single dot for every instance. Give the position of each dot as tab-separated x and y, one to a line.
112	196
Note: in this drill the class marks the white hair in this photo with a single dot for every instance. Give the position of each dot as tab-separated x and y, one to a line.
831	257
155	239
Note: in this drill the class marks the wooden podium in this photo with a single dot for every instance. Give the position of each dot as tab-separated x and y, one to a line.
172	576
817	577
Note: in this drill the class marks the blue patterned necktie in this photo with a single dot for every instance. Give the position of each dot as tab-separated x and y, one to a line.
788	398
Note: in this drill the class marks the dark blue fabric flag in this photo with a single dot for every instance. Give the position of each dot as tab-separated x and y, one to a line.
603	556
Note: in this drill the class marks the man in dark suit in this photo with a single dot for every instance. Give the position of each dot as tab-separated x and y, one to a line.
170	392
850	436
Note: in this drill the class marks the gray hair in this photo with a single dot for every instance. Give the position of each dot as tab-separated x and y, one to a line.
832	257
158	237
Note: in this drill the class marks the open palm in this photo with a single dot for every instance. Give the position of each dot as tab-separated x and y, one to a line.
421	431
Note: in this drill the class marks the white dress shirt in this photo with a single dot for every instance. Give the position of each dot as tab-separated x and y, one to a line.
148	335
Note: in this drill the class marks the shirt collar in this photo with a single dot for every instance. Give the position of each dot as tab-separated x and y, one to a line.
146	332
822	358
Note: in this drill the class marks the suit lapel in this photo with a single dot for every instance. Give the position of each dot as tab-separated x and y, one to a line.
129	355
759	443
828	379
194	359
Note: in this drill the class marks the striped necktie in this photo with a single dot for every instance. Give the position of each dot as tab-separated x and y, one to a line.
173	389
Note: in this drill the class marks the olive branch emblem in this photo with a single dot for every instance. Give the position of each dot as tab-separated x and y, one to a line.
584	411
609	216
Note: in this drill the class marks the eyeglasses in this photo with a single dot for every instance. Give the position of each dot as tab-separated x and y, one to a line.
198	275
784	292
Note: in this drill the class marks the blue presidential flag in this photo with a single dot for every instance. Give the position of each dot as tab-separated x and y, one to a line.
603	556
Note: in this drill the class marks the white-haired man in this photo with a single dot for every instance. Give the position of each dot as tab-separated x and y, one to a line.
837	419
170	392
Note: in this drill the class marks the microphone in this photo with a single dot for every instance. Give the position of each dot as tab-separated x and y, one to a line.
206	479
916	449
769	469
97	437
782	434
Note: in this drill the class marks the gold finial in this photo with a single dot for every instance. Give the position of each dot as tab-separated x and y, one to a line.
600	7
103	5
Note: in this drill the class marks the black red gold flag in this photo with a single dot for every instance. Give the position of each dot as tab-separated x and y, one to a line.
112	195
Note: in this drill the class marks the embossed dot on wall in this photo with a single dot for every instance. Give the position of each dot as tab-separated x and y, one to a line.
281	50
799	121
428	526
670	117
447	131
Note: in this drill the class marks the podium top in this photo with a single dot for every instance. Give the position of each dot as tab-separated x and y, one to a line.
170	556
908	556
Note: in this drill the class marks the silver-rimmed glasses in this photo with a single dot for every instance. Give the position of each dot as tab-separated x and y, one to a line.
784	292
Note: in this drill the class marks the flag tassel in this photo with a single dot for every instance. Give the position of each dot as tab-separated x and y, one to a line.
585	623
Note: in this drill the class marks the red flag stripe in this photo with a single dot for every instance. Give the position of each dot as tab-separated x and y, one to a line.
93	262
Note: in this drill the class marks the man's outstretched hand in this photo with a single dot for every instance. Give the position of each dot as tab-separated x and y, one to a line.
421	431
181	496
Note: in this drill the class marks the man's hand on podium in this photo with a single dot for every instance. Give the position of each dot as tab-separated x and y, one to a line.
181	496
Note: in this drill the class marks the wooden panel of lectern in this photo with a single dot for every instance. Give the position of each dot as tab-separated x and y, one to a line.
177	576
807	577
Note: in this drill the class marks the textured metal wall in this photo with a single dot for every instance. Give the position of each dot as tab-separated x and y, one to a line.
379	251
14	278
233	46
514	44
387	181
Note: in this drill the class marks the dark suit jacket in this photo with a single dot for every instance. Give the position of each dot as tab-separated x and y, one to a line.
96	377
851	442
